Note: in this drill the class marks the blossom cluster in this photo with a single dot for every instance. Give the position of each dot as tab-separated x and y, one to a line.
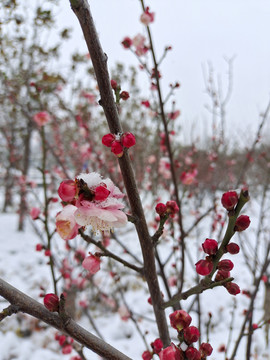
89	200
66	344
180	320
170	209
138	42
118	142
205	267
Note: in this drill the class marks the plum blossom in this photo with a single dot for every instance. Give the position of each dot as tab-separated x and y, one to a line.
41	118
139	43
92	263
189	177
147	17
94	201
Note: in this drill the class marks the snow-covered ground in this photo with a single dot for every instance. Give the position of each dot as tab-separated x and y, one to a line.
23	338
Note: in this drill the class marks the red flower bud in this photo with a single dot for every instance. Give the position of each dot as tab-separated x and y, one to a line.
39	247
157	346
172	208
210	246
221	275
67	349
117	148
192	354
232	288
67	190
233	248
204	267
108	139
205	349
242	223
113	84
225	265
229	200
128	139
101	193
180	320
161	209
170	353
146	355
124	95
127	42
191	334
62	339
47	252
146	103
51	302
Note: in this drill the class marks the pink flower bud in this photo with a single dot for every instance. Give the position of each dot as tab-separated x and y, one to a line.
41	118
233	248
92	263
67	190
191	334
101	193
225	265
204	267
242	223
34	213
108	139
232	288
161	209
210	246
170	353
51	302
147	17
229	200
146	103
66	225
128	140
157	346
146	355
124	95
127	42
192	354
205	349
180	320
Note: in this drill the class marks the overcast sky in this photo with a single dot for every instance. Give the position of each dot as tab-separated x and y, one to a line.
200	31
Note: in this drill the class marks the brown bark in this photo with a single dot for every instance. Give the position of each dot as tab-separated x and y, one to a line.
99	58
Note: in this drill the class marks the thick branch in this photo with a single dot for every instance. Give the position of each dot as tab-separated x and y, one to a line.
29	306
99	59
